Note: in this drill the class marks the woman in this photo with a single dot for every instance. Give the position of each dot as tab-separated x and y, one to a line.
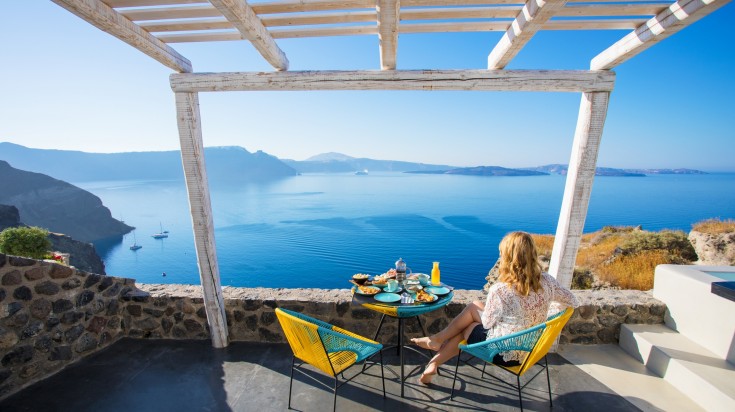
518	300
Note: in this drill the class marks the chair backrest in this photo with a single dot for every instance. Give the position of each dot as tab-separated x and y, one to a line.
303	335
548	337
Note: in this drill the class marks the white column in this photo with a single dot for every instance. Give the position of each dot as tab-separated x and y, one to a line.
580	176
195	172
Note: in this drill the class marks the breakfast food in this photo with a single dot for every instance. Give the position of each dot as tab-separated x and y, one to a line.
380	281
423	296
383	279
368	290
360	278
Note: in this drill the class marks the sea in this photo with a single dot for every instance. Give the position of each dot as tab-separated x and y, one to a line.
317	230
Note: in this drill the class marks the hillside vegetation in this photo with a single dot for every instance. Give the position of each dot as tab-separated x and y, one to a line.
623	257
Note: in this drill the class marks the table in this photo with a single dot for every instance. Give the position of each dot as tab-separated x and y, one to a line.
401	311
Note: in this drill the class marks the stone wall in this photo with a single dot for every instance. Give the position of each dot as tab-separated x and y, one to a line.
52	315
251	313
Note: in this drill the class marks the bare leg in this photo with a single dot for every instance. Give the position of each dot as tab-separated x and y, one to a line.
470	315
447	351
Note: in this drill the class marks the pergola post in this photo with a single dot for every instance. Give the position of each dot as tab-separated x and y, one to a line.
580	176
195	173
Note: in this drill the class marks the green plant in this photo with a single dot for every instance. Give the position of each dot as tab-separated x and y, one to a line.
674	241
29	242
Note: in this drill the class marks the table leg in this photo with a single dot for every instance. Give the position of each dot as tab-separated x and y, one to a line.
380	325
400	351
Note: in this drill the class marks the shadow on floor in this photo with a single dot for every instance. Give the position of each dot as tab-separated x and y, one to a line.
164	375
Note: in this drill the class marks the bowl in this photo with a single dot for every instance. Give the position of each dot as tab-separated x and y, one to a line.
360	278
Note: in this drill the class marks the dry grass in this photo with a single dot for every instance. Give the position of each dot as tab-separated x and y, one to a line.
634	271
625	256
715	226
595	253
544	244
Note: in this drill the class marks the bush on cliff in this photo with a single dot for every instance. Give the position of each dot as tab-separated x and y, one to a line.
29	242
623	257
715	226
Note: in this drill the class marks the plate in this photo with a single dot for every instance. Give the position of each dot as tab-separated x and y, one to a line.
372	288
433	296
437	290
388	297
399	290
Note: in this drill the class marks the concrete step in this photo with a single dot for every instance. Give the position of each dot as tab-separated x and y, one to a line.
612	367
695	371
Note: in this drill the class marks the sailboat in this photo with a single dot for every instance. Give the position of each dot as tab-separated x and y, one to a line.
135	246
160	235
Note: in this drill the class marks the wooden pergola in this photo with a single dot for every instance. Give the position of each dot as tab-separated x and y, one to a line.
152	26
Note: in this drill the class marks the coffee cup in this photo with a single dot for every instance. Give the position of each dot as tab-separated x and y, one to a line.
391	286
423	279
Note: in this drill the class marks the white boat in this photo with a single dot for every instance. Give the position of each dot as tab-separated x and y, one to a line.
160	235
135	246
361	173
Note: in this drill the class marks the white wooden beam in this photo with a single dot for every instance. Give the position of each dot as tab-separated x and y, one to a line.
479	80
670	21
108	20
140	3
242	16
388	14
580	176
195	173
530	20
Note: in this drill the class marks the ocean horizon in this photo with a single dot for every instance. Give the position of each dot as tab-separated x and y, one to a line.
316	230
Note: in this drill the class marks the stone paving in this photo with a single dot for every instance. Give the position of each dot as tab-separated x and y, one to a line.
168	375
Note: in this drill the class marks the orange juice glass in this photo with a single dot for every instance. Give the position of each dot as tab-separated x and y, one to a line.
435	275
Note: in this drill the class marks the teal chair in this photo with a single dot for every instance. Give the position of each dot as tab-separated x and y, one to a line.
536	340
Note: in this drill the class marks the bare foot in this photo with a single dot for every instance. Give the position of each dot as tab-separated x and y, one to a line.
426	377
426	343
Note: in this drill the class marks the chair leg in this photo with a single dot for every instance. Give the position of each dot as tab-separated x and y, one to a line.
456	369
382	375
290	384
520	397
483	370
548	381
334	404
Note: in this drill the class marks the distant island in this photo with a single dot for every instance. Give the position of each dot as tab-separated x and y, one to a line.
483	171
234	164
561	169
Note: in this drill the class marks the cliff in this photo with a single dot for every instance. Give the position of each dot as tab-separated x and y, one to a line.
717	249
9	217
82	255
57	206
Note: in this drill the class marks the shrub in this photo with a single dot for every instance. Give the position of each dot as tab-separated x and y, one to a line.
675	242
29	242
715	226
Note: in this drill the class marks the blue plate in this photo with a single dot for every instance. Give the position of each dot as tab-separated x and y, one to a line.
437	290
388	297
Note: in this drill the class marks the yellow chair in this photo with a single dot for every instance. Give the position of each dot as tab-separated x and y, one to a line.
326	347
536	340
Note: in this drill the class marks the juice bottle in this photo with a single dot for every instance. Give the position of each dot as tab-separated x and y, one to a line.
435	275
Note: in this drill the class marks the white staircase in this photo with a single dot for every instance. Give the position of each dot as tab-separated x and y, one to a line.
694	350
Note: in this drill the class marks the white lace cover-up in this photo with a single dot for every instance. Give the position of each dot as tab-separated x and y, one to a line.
508	312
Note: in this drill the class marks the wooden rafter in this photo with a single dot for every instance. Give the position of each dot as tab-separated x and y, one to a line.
242	16
108	20
388	14
477	80
530	20
674	18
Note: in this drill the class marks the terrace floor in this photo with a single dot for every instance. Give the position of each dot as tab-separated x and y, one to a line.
165	375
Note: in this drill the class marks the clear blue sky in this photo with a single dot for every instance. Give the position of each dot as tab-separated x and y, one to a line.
67	85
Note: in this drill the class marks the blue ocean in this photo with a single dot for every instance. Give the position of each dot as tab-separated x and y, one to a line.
316	230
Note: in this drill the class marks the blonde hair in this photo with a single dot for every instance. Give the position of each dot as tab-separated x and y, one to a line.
519	266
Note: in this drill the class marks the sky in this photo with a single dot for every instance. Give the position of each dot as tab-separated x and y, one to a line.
67	85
